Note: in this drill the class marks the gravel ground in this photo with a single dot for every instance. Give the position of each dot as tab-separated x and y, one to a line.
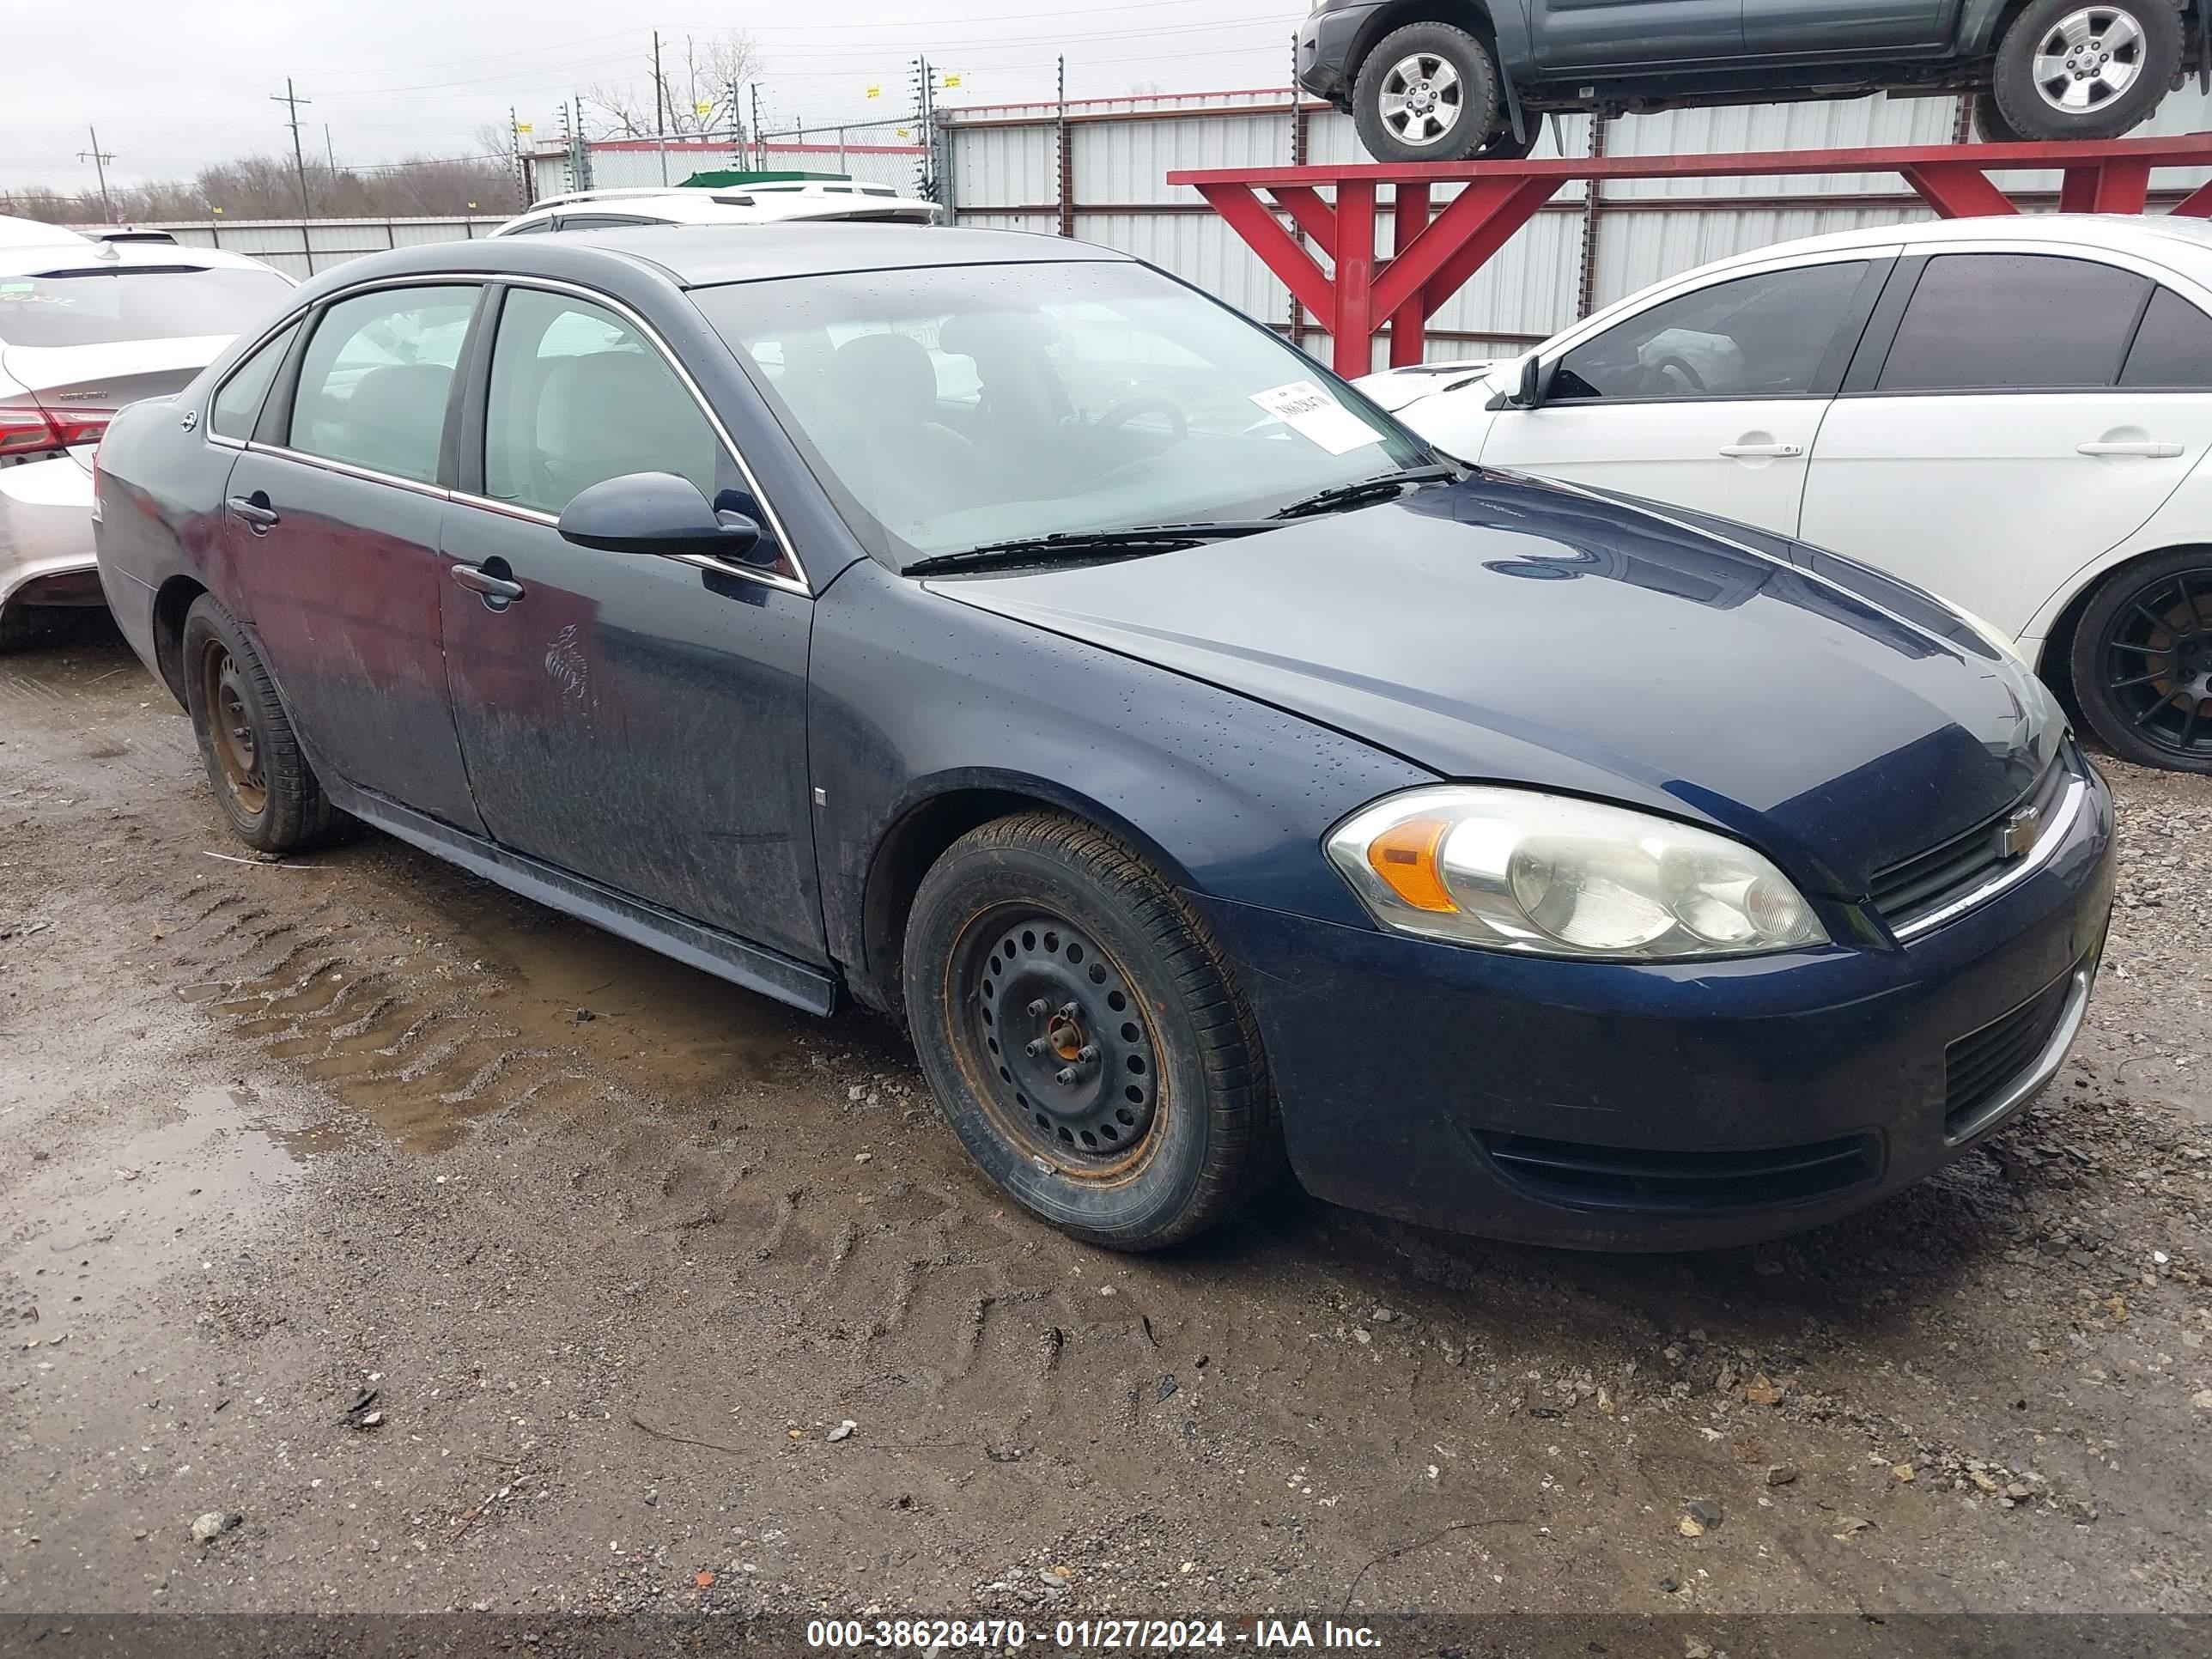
431	1251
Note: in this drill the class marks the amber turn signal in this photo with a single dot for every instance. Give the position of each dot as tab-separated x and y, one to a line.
1405	856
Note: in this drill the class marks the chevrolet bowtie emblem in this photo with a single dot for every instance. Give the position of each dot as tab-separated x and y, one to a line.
2017	833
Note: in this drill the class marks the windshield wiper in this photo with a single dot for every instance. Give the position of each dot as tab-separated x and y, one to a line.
1367	489
1089	544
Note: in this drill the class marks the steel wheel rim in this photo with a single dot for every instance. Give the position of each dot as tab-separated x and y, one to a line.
237	747
1056	1044
2088	59
2157	663
1421	99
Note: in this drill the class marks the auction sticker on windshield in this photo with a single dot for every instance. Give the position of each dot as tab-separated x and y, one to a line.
1316	416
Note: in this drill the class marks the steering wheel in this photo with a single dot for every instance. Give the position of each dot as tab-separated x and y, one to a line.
1178	423
1680	376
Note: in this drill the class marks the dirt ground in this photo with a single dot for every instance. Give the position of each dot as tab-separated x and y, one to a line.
456	1255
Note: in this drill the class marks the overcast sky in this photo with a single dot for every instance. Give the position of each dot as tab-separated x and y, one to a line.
173	86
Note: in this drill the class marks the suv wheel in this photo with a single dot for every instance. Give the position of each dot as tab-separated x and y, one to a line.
1427	92
2067	70
2142	661
1081	1037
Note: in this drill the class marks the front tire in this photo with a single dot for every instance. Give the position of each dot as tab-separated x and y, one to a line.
2142	661
262	780
1427	92
1081	1036
2085	69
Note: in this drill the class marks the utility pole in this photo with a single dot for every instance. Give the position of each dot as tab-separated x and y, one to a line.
737	124
330	151
659	109
299	164
760	148
100	158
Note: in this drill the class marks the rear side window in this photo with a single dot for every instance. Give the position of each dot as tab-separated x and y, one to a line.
2014	322
136	302
1756	336
2173	347
237	406
373	382
577	396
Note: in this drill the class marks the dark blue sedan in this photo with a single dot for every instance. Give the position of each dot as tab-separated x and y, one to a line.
999	633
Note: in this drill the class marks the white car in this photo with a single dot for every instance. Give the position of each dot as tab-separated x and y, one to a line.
2013	413
766	203
86	326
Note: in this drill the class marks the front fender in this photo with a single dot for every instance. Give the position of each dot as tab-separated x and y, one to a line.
915	697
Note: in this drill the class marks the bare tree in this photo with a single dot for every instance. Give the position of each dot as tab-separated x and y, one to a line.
267	187
701	83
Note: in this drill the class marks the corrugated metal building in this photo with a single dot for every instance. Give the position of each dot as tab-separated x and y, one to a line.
1097	169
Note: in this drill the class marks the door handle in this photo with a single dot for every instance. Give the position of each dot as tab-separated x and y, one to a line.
255	510
1762	449
2137	447
496	590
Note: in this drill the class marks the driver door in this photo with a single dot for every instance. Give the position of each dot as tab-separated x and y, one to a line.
1709	399
636	720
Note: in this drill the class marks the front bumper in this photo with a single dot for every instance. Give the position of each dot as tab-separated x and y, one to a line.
1612	1106
1325	39
46	533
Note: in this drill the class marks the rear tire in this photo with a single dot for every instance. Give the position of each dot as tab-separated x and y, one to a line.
2142	661
2085	69
1428	92
262	780
23	626
1081	1034
1990	125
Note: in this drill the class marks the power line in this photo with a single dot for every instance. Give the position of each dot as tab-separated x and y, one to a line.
293	100
100	158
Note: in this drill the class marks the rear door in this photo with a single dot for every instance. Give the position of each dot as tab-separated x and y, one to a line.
2028	412
1592	33
1828	28
330	540
1709	399
639	720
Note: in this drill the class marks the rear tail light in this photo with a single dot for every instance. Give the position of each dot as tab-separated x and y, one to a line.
27	429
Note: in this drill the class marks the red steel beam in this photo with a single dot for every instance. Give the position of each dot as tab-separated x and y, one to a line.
1409	323
1431	259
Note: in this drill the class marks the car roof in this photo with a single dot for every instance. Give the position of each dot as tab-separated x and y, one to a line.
2161	237
705	256
16	232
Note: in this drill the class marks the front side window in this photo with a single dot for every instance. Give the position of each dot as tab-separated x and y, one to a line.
2014	322
1755	336
116	303
952	407
578	395
237	406
2173	347
375	377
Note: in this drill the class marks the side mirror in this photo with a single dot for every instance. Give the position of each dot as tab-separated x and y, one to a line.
1530	392
660	512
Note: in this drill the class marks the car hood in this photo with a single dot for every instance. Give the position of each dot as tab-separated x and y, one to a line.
1511	630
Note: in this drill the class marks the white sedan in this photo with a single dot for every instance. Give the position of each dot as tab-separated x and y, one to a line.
2013	413
86	326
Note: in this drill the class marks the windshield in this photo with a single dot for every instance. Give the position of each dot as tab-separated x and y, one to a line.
134	302
960	406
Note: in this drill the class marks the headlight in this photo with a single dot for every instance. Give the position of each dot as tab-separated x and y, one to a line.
1550	875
